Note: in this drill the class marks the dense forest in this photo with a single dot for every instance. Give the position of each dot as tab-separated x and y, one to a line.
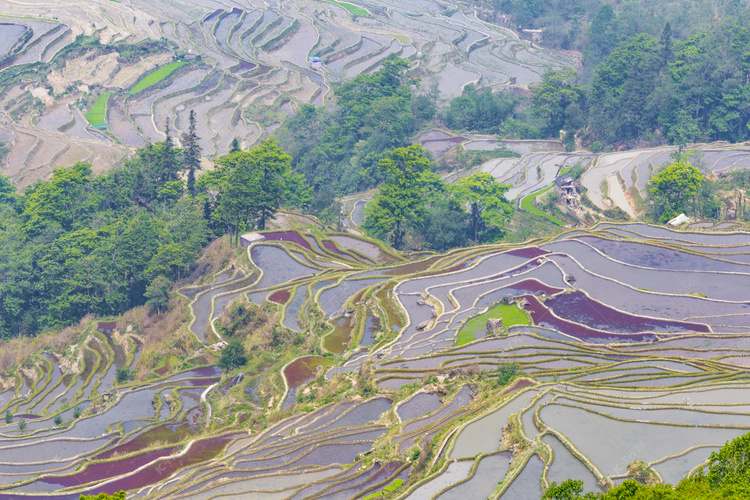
652	74
82	244
339	148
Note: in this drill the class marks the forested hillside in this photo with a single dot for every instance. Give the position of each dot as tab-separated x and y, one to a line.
81	244
338	148
666	72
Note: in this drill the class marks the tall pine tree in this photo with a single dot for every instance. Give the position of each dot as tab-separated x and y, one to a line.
192	154
169	166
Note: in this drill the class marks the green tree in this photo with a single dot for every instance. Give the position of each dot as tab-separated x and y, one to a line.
423	107
341	147
232	355
552	96
123	375
567	490
7	191
621	91
169	192
252	185
239	189
480	109
672	191
602	35
64	203
168	162
488	208
157	293
445	224
192	154
731	464
398	203
271	163
297	193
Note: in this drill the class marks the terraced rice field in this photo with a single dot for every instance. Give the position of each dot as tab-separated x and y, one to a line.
634	336
155	76
245	67
96	116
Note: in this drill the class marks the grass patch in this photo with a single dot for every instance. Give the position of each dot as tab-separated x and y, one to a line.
156	76
96	114
510	314
396	484
527	203
352	9
31	17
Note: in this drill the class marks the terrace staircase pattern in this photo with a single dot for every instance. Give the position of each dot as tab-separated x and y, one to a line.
640	357
248	67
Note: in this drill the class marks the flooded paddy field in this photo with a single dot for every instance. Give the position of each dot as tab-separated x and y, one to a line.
622	340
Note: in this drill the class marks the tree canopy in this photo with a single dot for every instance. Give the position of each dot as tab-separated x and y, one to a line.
248	187
488	208
232	355
673	190
339	148
415	208
80	244
480	109
398	203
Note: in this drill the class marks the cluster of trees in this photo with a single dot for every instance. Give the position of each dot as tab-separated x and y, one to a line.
651	75
414	208
682	188
595	27
247	187
650	91
81	244
480	110
339	148
728	476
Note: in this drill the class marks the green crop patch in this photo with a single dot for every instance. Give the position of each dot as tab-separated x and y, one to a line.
98	111
510	314
396	484
156	76
352	9
527	203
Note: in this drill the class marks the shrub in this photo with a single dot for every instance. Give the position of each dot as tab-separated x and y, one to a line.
507	372
120	495
123	375
232	356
